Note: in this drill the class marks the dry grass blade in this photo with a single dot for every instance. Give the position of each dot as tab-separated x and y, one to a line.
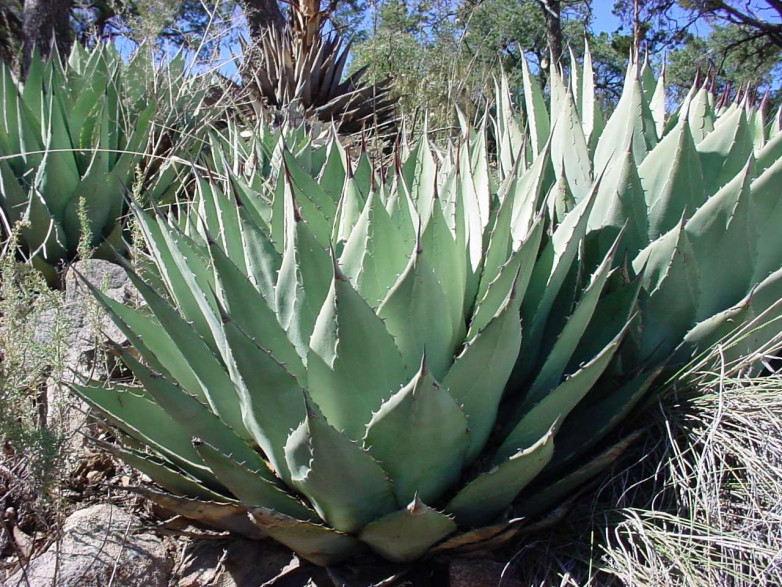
725	471
698	503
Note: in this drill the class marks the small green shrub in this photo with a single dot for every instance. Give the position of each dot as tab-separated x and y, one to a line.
32	431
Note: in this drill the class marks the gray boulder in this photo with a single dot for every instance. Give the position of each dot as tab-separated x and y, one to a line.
89	327
237	563
82	328
101	545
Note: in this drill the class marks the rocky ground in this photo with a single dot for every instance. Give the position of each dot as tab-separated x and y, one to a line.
106	544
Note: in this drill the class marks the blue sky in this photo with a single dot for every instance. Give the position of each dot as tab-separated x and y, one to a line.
604	19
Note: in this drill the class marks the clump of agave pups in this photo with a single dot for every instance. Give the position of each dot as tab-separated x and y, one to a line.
74	139
416	360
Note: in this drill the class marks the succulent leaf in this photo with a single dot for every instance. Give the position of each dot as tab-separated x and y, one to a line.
477	390
262	259
139	416
722	234
536	503
217	514
349	209
250	309
537	116
672	181
764	198
548	275
196	417
269	395
409	318
318	544
671	291
214	386
631	122
725	151
489	494
657	104
345	485
557	359
448	264
588	425
541	414
250	485
303	282
515	274
405	535
315	204
742	329
375	252
164	473
569	150
700	116
354	363
422	413
620	204
419	176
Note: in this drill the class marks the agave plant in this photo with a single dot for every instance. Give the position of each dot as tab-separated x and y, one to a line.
695	190
72	145
300	72
417	360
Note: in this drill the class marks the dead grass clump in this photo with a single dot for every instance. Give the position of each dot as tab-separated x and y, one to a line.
697	502
723	471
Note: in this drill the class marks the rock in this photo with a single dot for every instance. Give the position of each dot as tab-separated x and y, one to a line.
81	327
245	563
79	324
480	573
100	545
107	276
89	325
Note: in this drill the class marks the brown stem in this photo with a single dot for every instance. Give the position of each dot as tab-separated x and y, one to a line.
262	15
551	14
44	24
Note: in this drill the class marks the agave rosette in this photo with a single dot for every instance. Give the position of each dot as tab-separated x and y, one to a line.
693	192
413	360
73	140
305	76
327	394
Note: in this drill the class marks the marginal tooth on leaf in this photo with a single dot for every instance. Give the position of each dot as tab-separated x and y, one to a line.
416	507
423	370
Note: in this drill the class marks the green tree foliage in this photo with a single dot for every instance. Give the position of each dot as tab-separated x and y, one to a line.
10	29
759	19
730	60
418	43
735	44
180	22
185	23
656	25
441	53
743	48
